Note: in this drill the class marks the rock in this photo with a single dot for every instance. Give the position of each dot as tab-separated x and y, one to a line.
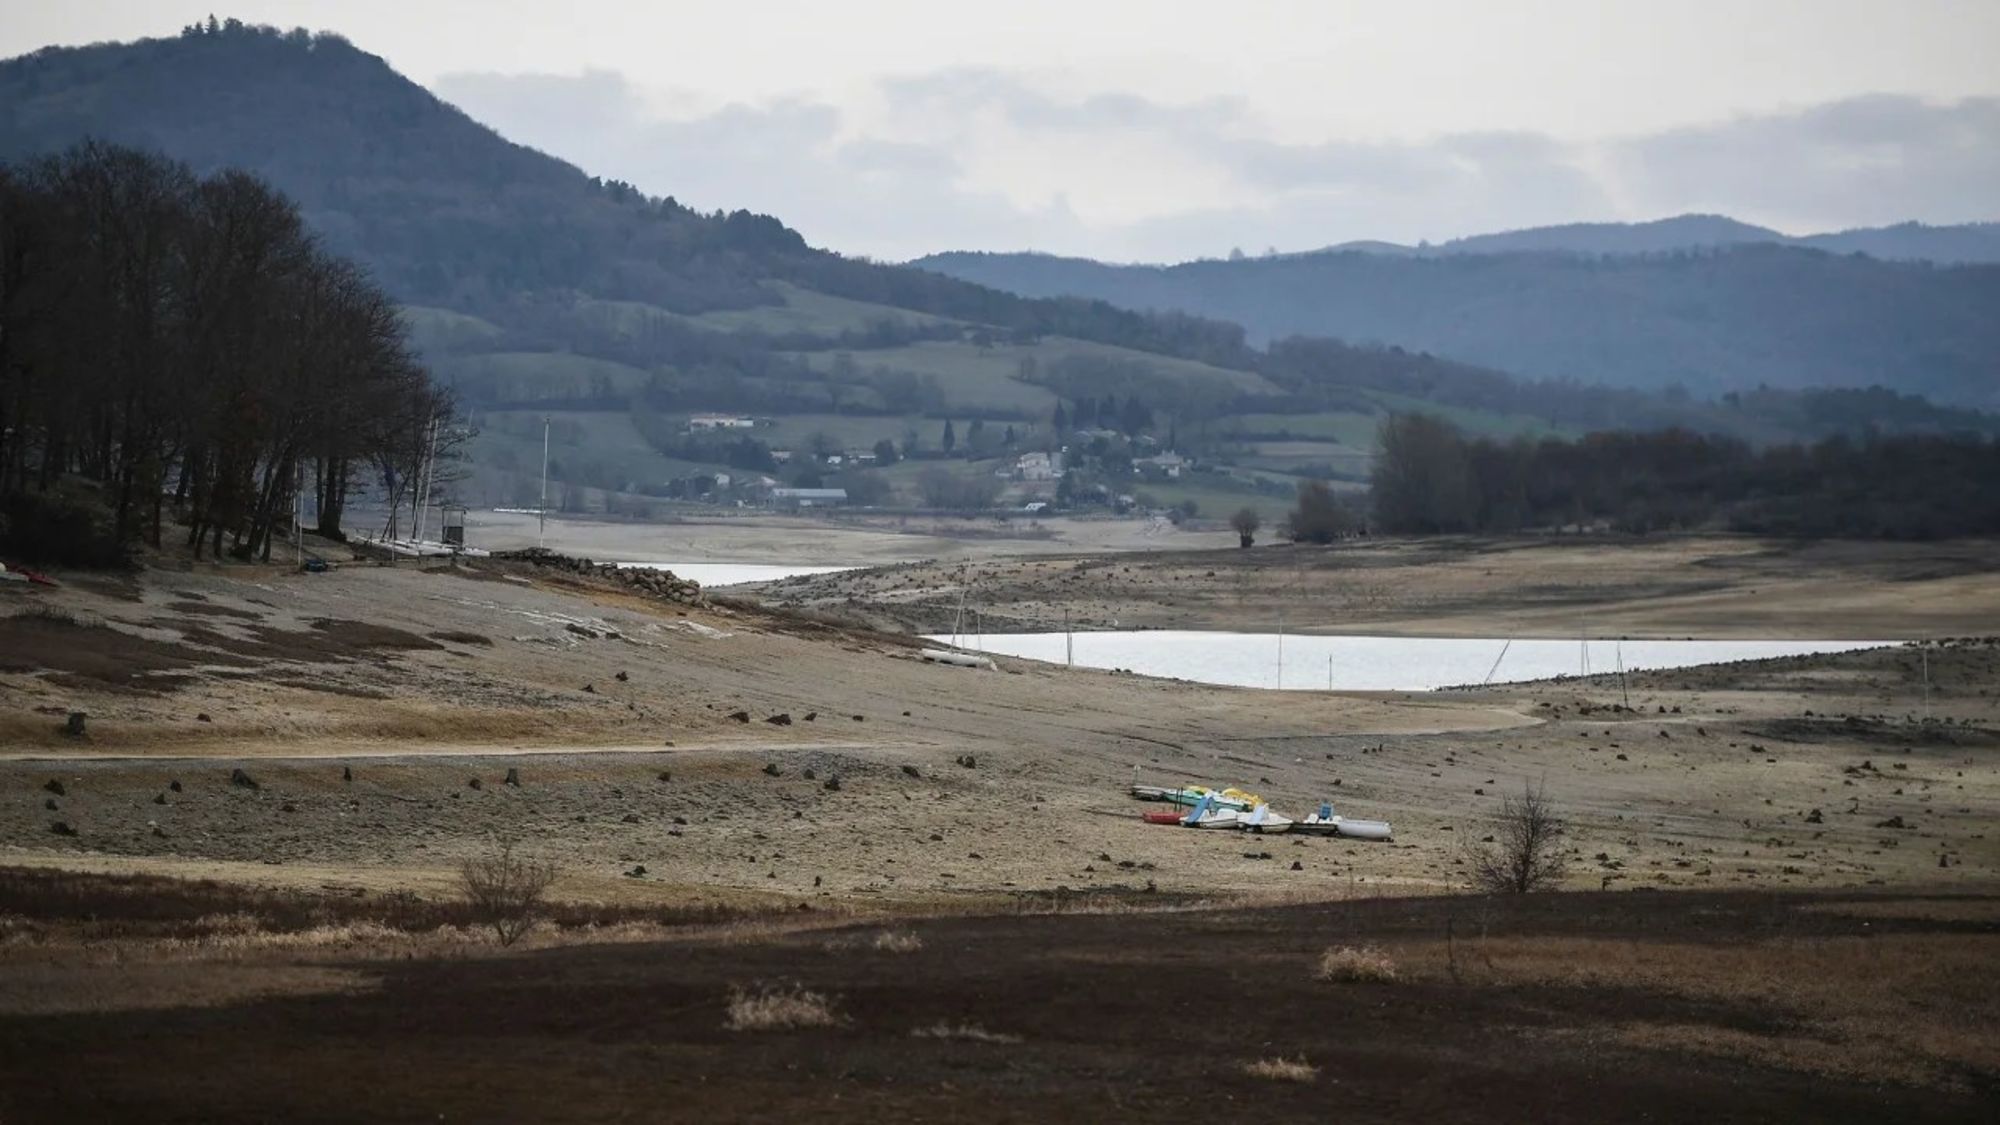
740	716
74	726
159	798
810	775
629	818
906	714
969	762
174	785
56	787
288	807
622	678
780	720
1297	866
158	832
638	871
513	777
1941	860
666	775
590	688
832	783
860	718
1815	817
811	715
242	780
51	805
912	771
475	783
771	769
1892	822
347	773
680	820
62	828
203	718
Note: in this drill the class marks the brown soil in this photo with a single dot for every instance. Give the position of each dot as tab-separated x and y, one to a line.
1583	1007
1707	586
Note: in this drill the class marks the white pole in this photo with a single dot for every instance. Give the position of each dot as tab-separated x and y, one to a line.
1281	649
542	513
1329	671
1926	650
1069	642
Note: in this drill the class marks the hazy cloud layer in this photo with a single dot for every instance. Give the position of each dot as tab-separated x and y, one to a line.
990	159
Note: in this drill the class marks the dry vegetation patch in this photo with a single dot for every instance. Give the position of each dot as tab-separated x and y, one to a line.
1891	1007
1282	1070
779	1008
898	941
966	1032
1351	965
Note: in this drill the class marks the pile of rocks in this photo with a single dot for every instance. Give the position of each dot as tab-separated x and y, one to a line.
646	580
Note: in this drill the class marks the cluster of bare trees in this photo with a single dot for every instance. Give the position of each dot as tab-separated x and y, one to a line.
171	341
1430	478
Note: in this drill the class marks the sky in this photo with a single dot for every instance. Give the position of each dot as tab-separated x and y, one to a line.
1162	130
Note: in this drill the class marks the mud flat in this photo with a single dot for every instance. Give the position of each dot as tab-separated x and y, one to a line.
1703	587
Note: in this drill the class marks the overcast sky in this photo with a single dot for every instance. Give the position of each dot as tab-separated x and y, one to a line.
1159	130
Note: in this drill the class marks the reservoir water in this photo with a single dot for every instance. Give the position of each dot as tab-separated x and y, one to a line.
1313	663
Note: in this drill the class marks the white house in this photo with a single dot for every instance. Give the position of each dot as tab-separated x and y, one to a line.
808	497
1038	466
702	422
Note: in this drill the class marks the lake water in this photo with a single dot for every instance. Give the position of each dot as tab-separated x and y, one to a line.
731	574
1376	663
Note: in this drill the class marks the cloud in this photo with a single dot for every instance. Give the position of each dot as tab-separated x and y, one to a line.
992	159
1863	161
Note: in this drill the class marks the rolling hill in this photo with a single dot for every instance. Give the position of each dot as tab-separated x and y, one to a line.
1732	318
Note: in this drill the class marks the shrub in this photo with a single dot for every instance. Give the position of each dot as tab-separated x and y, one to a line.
1526	854
506	891
66	526
1282	1070
778	1008
1350	965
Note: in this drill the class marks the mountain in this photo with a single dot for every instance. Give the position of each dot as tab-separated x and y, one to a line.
1683	232
1965	243
1711	321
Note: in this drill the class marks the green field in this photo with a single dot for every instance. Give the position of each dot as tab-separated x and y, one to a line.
437	332
803	310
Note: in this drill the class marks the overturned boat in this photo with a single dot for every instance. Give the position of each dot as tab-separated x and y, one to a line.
1325	823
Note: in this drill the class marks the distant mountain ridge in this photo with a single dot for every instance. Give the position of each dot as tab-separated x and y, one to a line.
1955	244
1709	320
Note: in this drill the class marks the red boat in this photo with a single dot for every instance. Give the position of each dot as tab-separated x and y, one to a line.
1163	817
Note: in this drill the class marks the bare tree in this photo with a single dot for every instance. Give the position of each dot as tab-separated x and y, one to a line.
506	890
1526	854
1246	521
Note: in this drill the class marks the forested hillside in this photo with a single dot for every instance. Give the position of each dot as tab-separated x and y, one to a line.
1710	322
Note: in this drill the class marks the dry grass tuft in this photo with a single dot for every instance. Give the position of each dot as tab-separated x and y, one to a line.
1351	965
967	1032
898	941
779	1008
1282	1070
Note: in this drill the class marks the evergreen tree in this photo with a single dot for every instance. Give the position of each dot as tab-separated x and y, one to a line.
950	439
